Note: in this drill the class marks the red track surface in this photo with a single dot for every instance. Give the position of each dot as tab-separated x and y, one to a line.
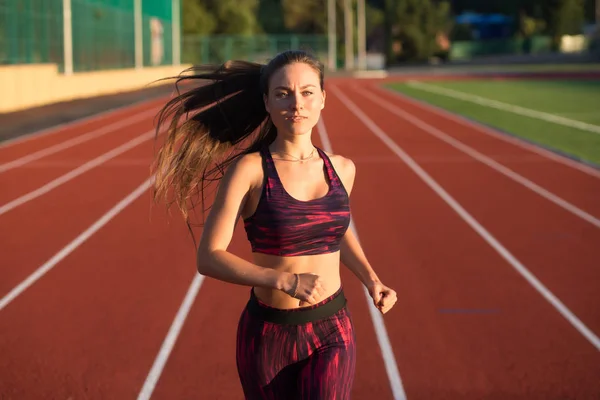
466	325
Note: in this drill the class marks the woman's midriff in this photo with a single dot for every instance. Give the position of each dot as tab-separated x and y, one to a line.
327	266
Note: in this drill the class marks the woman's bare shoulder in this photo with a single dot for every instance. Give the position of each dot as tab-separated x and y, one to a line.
249	167
345	168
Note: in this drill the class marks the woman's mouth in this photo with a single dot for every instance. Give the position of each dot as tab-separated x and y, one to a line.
296	118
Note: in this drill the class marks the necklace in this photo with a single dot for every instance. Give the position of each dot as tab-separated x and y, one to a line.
297	159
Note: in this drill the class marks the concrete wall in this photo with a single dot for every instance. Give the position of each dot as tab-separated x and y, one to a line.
31	85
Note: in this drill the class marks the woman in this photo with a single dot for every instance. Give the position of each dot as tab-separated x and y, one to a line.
295	337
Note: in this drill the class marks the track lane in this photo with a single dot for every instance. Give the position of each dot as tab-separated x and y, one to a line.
462	311
38	229
559	248
202	362
37	143
573	185
20	181
89	328
206	346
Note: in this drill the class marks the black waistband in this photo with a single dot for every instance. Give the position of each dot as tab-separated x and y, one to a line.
323	309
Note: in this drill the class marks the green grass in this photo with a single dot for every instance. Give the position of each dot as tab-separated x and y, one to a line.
574	99
566	67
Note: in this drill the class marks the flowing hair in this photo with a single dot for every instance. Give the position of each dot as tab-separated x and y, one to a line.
209	126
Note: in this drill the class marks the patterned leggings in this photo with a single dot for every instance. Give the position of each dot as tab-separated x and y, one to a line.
305	353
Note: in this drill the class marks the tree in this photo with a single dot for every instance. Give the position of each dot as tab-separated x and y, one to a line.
271	17
564	17
196	19
413	28
225	17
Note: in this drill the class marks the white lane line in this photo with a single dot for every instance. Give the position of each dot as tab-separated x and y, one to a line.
519	142
144	162
485	159
527	112
387	351
473	223
171	338
80	239
57	128
75	141
75	172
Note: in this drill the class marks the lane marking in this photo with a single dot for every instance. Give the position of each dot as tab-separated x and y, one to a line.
441	135
132	162
57	128
471	221
171	338
387	351
75	172
75	141
74	244
527	112
495	133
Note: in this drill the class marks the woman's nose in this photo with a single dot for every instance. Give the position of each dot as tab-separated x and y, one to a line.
297	102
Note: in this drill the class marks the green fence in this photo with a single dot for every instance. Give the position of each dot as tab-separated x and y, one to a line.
31	31
216	49
103	31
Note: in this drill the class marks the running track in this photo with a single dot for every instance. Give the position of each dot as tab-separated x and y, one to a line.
491	244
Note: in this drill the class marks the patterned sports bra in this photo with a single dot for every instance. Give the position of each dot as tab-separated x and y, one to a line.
285	226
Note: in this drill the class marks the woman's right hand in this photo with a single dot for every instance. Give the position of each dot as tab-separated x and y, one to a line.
308	288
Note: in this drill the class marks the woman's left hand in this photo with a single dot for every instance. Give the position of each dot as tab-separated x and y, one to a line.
384	298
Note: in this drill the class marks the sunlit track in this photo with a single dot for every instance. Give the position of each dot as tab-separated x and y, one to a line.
44	137
584	320
113	127
76	172
492	241
68	249
22	185
100	297
424	126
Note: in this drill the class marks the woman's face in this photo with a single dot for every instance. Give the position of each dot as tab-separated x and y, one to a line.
295	99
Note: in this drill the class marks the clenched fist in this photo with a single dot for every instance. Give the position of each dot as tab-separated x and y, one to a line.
384	298
308	288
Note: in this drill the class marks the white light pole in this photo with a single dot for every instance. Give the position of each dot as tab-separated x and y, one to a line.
67	37
139	41
176	11
331	28
348	29
362	35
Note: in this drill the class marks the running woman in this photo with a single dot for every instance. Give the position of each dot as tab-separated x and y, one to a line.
295	338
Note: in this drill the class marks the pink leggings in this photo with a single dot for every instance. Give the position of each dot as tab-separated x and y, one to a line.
305	353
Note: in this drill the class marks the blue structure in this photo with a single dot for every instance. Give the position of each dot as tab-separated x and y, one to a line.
487	26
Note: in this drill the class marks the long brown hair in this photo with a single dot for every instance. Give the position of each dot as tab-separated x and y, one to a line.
229	120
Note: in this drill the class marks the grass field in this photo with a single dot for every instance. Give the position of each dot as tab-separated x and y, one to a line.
559	114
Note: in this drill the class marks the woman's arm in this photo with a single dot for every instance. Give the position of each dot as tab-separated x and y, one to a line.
354	258
352	255
213	259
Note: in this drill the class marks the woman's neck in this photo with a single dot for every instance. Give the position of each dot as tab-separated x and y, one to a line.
298	146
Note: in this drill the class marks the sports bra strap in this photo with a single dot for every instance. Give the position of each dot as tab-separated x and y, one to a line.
331	173
269	163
